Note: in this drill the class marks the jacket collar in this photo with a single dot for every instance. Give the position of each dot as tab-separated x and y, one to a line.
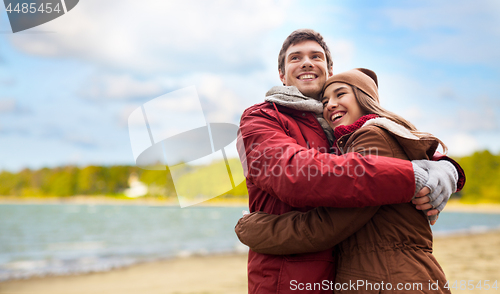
344	130
292	99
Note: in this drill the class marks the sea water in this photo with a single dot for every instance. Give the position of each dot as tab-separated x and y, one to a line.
59	239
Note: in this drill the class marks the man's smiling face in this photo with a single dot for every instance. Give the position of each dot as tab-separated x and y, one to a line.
306	68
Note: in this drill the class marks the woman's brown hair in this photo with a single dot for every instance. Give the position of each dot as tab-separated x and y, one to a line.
369	106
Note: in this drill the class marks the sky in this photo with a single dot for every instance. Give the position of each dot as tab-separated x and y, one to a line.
67	87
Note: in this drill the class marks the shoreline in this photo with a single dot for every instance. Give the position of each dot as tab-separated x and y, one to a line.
472	257
104	200
456	206
123	266
452	206
446	237
236	252
221	273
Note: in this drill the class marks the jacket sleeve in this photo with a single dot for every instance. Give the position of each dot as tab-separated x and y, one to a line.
301	232
302	177
323	227
461	174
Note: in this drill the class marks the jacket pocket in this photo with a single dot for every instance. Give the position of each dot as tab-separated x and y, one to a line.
307	273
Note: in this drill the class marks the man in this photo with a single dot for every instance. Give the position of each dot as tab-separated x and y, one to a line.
284	144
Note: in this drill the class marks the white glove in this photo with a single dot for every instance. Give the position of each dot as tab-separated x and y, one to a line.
439	176
432	217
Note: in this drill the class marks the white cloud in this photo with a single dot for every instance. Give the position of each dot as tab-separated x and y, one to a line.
461	144
223	102
447	93
461	31
7	81
412	113
223	97
152	36
397	91
81	140
483	119
458	14
476	115
124	113
437	107
7	105
120	87
11	106
343	52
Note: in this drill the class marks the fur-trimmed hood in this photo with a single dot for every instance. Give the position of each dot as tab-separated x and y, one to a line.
413	146
392	127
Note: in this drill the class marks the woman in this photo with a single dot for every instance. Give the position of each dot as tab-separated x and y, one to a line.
392	252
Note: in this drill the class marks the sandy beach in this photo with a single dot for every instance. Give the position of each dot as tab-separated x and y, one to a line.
470	257
466	257
210	274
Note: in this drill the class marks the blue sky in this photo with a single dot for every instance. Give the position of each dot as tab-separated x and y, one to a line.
68	86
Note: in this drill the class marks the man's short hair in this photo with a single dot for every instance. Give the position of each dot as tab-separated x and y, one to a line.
299	36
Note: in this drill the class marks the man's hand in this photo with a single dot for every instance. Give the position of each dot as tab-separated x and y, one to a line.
421	199
422	202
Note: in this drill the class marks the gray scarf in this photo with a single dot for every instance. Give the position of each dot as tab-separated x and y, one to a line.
291	97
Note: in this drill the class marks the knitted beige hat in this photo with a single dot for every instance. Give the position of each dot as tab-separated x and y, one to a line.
364	79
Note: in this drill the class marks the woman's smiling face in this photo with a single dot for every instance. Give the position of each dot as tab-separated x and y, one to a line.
340	106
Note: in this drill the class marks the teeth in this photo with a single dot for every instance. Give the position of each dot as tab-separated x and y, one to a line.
303	77
336	116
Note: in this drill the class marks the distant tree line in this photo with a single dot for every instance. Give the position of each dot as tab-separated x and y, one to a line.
93	180
482	171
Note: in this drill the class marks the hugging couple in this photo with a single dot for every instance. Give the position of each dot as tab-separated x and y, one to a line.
325	218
